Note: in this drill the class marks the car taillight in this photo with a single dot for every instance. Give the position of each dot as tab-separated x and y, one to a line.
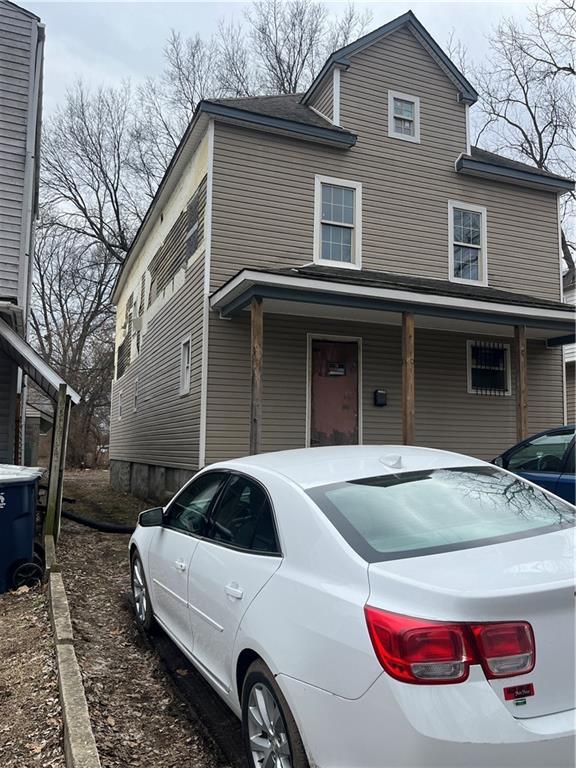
433	652
506	649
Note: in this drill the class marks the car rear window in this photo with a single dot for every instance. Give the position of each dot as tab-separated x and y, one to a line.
438	510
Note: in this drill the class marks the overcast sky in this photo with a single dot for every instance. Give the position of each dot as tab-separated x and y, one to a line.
106	42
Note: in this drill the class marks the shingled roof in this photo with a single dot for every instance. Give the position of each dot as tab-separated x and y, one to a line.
287	106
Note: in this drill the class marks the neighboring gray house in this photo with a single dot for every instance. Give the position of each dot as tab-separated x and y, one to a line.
339	266
21	57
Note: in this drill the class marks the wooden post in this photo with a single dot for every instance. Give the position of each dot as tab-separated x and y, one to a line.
408	390
57	462
257	335
521	382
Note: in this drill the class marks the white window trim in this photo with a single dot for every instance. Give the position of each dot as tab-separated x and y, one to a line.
184	383
136	396
405	97
356	262
471	391
483	261
120	404
310	337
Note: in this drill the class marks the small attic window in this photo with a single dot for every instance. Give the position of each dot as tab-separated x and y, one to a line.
403	116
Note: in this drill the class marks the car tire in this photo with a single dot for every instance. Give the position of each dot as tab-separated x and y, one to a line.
141	595
260	692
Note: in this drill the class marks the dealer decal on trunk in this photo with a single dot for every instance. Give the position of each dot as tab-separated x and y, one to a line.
518	693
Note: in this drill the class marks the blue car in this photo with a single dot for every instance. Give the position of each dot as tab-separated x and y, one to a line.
546	459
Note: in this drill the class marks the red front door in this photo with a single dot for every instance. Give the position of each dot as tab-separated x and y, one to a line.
334	393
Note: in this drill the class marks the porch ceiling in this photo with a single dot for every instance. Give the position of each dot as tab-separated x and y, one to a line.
380	297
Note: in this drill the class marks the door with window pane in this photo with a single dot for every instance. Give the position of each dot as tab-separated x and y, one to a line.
237	556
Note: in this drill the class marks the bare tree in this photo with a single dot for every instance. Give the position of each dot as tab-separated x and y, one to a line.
87	176
291	40
72	323
287	39
236	71
527	103
550	40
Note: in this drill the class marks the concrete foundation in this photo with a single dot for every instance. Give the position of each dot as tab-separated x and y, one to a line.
146	481
120	475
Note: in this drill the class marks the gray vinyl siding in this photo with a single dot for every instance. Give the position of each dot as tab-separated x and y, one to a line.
323	99
16	72
165	429
7	408
571	393
447	417
264	185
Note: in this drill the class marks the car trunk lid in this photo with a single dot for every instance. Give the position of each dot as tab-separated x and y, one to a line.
530	579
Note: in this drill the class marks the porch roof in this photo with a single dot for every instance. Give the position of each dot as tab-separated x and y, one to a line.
32	364
385	291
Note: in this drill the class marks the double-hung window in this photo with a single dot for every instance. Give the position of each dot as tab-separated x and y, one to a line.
403	116
467	233
338	222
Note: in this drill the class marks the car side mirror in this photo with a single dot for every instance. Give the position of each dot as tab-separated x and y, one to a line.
151	517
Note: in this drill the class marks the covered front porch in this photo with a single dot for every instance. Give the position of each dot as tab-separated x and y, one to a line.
392	359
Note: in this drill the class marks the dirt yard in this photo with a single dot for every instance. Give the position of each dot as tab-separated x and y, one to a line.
139	715
30	726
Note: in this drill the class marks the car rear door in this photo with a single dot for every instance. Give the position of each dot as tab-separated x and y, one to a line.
237	556
541	459
172	549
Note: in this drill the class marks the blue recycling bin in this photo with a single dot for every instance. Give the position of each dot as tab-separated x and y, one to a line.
18	495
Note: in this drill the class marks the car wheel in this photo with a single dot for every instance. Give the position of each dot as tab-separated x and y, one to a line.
271	737
142	605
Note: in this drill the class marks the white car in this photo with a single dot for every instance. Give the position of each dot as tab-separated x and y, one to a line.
362	607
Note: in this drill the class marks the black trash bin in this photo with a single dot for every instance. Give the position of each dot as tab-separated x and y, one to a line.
18	494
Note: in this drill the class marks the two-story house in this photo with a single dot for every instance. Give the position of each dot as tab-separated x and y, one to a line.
21	61
339	266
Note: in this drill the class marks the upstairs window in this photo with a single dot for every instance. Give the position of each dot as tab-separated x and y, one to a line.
403	116
488	368
338	222
185	365
467	255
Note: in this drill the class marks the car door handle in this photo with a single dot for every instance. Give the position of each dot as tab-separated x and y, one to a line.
180	565
234	591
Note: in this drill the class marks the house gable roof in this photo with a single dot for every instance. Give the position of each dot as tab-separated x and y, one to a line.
340	58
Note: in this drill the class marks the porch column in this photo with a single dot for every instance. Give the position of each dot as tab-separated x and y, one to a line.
521	382
408	410
257	333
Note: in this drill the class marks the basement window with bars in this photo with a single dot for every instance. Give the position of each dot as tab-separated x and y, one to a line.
488	368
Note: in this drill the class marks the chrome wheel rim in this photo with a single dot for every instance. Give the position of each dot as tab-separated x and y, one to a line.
139	590
269	745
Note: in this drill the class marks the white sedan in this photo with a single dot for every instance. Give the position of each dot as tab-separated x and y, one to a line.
361	607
